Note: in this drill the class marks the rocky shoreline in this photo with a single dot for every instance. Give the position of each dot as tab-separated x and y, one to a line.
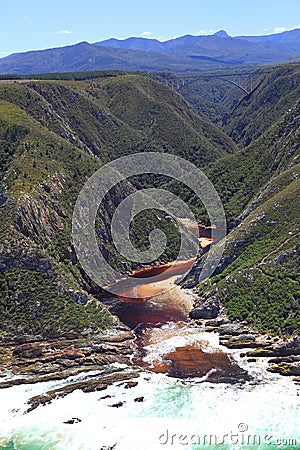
30	359
283	354
38	355
101	383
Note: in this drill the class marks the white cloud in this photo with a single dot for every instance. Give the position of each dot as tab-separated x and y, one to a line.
279	29
266	29
64	32
146	33
202	31
297	27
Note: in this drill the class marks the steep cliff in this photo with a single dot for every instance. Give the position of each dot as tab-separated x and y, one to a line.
257	279
54	136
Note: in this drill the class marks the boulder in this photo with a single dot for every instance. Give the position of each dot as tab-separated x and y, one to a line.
117	405
70	354
105	349
285	369
66	362
72	421
209	311
86	386
284	359
27	339
131	384
233	329
243	338
242	341
28	351
105	397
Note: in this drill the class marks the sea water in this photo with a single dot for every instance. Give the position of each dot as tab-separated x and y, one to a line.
174	414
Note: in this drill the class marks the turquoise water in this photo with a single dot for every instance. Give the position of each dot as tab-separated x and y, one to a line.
175	414
29	446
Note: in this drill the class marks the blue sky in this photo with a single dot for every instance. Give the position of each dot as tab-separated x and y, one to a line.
30	25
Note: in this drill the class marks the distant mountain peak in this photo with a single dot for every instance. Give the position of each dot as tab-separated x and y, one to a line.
222	34
177	54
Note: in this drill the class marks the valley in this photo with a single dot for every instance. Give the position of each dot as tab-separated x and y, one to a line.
170	351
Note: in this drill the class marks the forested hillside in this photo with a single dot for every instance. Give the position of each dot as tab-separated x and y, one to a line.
54	135
258	277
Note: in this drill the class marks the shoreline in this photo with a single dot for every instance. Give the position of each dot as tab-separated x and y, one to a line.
35	359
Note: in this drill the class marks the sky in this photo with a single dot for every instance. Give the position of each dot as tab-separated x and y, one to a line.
39	24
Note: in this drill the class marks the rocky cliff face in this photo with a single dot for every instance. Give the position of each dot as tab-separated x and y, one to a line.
54	136
257	279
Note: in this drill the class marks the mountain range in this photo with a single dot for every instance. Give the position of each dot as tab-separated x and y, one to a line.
179	54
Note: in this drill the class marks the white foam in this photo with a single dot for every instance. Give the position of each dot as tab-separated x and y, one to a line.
173	335
179	407
171	406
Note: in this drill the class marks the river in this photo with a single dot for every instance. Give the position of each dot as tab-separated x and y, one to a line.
166	341
192	392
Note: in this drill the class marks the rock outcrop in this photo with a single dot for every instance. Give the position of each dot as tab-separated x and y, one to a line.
56	357
86	386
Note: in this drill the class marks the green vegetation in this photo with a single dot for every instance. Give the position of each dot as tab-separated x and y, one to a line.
258	277
115	116
55	133
243	117
262	285
241	176
73	76
32	302
38	287
278	90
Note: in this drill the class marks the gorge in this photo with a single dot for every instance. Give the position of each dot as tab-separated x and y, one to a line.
82	369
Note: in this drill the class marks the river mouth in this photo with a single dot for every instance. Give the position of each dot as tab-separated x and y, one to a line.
167	341
189	386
